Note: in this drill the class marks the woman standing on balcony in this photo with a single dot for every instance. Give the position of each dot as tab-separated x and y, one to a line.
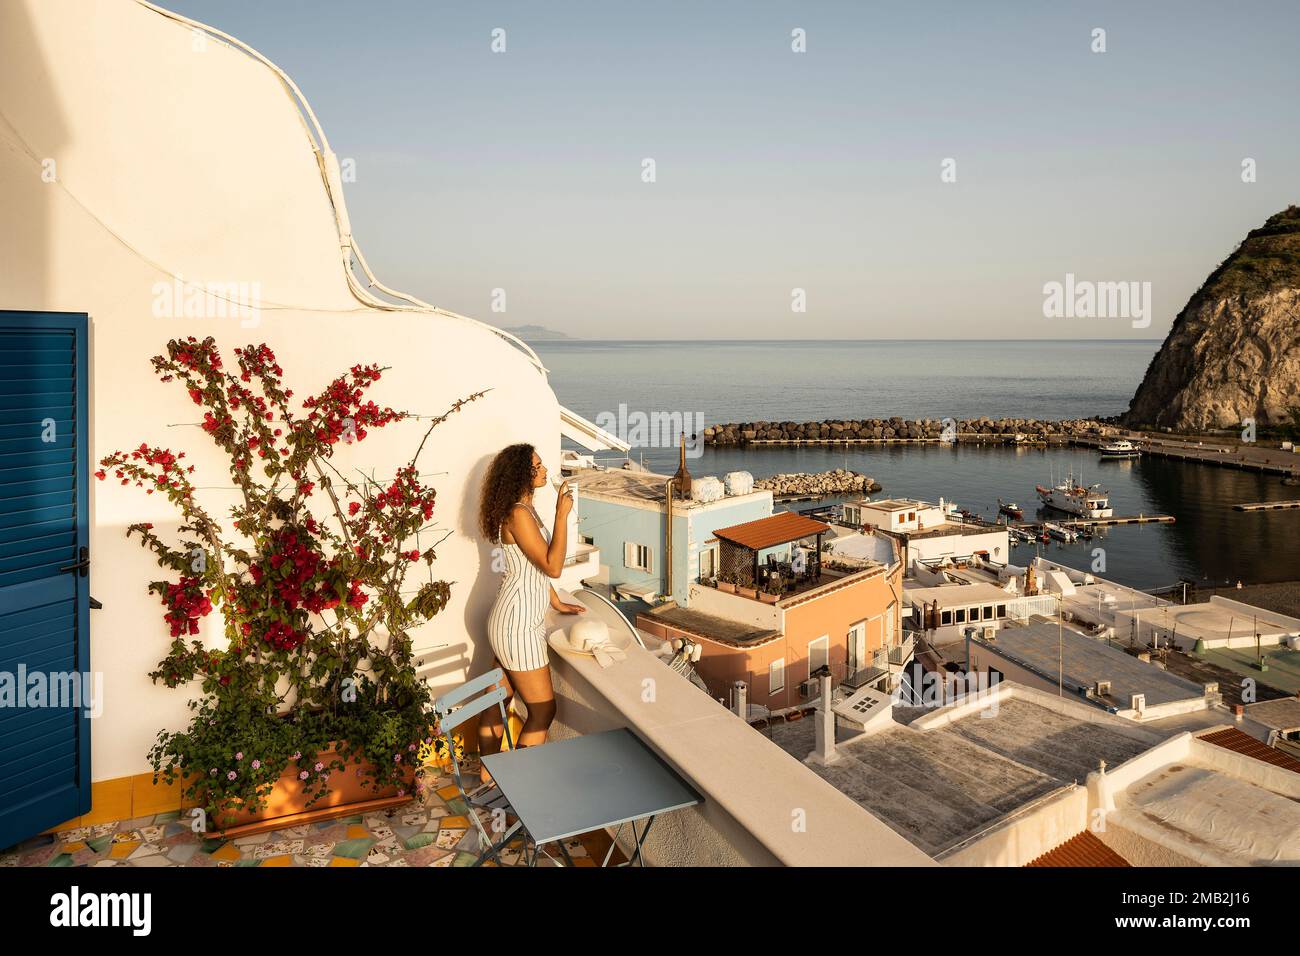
528	556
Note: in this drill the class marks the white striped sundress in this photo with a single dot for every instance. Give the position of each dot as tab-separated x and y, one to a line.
516	626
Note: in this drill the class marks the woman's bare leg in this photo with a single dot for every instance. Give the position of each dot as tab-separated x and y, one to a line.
535	688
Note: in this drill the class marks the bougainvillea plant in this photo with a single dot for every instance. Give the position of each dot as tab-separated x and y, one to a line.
315	575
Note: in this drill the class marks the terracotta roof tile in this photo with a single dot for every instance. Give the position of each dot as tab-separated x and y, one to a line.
781	528
1083	849
1243	743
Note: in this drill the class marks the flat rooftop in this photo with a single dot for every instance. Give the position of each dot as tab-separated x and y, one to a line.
1200	669
711	626
940	787
862	547
951	595
948	529
1217	621
1049	649
1226	816
1281	714
895	504
1283	665
643	487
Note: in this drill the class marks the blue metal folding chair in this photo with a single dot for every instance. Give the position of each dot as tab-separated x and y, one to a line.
454	708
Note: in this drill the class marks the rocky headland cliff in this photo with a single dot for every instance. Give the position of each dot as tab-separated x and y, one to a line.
1233	352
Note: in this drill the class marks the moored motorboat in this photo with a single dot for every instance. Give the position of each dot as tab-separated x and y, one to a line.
1119	448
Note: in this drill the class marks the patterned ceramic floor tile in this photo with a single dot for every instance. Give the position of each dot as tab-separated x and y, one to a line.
181	854
435	832
354	849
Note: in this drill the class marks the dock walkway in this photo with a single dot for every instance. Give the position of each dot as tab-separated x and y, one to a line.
1267	505
1273	461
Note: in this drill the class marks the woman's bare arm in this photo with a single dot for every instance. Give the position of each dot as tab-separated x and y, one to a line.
565	607
523	528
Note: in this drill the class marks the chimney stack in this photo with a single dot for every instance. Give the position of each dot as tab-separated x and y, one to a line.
824	751
740	699
682	479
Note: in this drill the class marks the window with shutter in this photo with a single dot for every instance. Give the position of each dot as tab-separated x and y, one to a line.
776	676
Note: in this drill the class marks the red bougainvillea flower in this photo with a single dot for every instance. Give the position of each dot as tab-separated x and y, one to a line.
186	603
282	637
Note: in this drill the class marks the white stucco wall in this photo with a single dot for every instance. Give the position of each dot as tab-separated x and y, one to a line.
171	161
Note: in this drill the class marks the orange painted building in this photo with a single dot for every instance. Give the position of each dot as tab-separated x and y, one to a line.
845	618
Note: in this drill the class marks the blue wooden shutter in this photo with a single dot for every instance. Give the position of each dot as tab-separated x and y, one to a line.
44	593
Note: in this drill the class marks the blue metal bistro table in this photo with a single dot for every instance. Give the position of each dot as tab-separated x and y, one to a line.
568	787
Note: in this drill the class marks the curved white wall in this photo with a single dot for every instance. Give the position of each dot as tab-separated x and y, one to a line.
175	161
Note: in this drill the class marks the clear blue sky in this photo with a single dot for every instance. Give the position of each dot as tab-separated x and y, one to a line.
775	170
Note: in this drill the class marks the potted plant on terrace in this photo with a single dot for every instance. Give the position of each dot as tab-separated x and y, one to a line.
313	702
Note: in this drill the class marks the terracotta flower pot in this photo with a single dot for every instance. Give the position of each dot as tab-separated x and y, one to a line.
286	804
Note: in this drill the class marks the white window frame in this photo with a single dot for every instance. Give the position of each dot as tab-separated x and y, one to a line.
632	557
776	676
712	553
825	650
858	662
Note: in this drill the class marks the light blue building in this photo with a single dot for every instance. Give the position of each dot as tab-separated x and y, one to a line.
624	514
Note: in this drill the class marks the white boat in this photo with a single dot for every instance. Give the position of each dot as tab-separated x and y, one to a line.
1073	498
1118	448
1060	532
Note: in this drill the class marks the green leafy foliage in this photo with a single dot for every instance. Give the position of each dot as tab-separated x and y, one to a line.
317	671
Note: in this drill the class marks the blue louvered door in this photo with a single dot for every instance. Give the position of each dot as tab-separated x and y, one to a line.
44	587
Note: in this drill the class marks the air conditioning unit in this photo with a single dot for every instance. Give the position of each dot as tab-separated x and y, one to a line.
808	689
1102	689
990	632
1139	702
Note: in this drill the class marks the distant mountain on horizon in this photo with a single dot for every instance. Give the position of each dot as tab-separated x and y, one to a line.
535	333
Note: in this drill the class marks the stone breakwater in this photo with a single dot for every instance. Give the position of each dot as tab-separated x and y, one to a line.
818	485
899	429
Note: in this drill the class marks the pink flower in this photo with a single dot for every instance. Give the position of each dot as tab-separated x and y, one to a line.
303	775
298	755
240	755
397	758
257	764
319	767
231	775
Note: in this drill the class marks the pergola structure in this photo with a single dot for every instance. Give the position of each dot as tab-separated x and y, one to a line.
739	545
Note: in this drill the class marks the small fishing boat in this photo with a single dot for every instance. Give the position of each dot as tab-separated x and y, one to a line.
1010	509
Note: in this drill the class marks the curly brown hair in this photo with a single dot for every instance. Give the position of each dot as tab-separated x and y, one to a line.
509	478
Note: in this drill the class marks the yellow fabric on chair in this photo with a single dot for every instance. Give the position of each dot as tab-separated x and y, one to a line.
516	725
